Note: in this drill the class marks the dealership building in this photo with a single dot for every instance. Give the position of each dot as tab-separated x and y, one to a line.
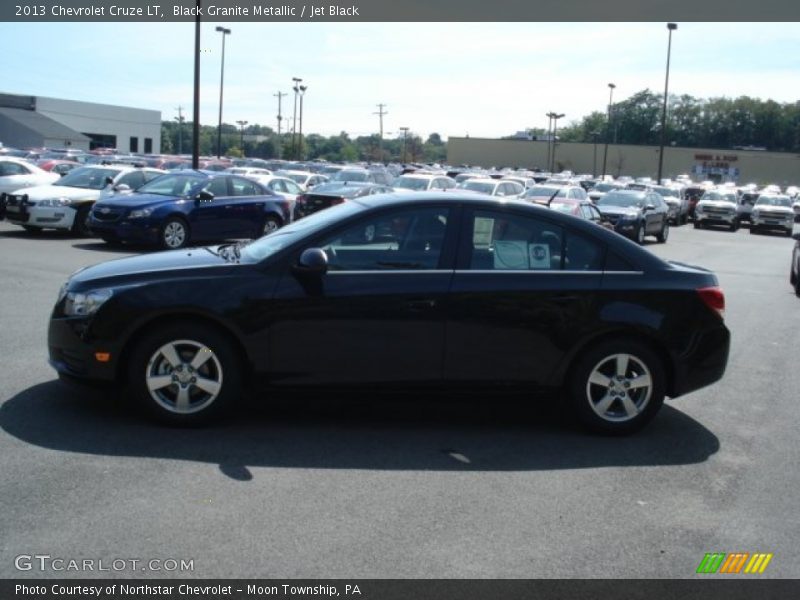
740	165
39	121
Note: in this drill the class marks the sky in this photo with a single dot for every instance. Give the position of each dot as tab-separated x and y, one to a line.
476	79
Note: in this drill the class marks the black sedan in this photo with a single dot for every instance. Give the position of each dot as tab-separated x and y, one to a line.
636	214
179	209
405	289
326	195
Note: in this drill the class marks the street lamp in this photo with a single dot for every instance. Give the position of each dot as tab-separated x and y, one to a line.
280	118
594	135
303	89
670	27
196	94
180	119
224	33
611	87
296	89
556	117
241	124
549	116
405	137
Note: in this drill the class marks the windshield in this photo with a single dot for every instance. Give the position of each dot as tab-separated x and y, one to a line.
666	192
411	183
351	176
718	196
272	243
478	186
546	192
619	199
774	201
297	177
565	207
90	178
177	184
604	187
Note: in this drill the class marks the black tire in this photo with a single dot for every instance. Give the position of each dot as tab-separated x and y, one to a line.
792	276
697	225
271	224
734	227
585	395
80	226
663	234
169	238
32	230
639	235
797	286
753	230
685	218
189	339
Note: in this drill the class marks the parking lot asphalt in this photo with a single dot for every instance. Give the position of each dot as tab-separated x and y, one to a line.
457	487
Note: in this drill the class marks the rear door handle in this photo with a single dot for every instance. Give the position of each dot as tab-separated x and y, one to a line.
422	304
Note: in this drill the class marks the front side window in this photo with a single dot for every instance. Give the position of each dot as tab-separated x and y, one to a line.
12	168
510	242
398	240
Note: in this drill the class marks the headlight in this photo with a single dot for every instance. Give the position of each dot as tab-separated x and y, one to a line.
141	213
85	304
55	202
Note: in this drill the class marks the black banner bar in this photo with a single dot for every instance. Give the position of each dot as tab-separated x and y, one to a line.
400	10
703	588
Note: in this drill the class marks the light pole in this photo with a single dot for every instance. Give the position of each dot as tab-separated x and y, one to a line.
556	117
180	119
594	135
296	89
549	116
380	114
303	89
405	138
224	33
196	94
611	87
670	27
241	124
280	118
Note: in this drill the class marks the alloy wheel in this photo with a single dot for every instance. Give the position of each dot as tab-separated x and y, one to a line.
619	388
174	234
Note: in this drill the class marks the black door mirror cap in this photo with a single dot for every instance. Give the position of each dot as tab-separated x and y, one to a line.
312	261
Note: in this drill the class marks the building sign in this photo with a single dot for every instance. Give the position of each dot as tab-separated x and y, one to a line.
716	164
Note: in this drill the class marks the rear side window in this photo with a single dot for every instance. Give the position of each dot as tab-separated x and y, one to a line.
614	262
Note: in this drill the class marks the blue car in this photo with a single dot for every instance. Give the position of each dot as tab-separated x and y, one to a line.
178	209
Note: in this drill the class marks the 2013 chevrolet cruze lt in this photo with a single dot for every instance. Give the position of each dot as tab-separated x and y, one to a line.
410	289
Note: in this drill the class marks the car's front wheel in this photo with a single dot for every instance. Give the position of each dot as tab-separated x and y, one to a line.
271	225
184	373
640	234
663	234
80	226
617	387
174	234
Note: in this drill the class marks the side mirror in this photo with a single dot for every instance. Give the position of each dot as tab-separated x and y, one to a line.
649	207
204	196
109	181
796	236
313	261
122	187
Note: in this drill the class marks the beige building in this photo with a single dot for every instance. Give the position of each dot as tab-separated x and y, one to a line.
742	166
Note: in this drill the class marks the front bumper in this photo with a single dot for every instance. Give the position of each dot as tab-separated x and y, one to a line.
72	350
142	231
61	217
716	217
783	223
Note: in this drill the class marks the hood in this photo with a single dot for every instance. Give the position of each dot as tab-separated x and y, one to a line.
775	209
105	274
620	211
46	192
138	200
717	203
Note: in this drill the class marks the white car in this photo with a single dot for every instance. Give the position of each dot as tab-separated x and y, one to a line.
717	207
772	211
16	174
66	205
423	182
283	186
248	171
305	179
494	187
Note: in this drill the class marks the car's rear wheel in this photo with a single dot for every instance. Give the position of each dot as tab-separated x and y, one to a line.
185	373
640	234
617	387
174	234
271	225
80	226
663	234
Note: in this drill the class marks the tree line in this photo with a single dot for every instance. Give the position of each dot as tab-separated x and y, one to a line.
235	143
691	122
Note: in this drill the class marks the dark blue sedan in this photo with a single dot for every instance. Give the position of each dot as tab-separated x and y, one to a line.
177	209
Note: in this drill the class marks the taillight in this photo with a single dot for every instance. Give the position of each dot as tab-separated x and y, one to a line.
301	199
714	298
337	201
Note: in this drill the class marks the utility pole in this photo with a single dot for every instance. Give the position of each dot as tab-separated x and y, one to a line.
225	32
296	89
280	118
196	94
303	89
241	124
180	119
405	138
380	114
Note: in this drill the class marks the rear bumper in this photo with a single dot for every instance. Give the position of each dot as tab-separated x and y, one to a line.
705	363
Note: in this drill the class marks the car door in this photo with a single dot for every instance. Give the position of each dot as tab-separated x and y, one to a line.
210	219
14	176
377	315
524	289
245	209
